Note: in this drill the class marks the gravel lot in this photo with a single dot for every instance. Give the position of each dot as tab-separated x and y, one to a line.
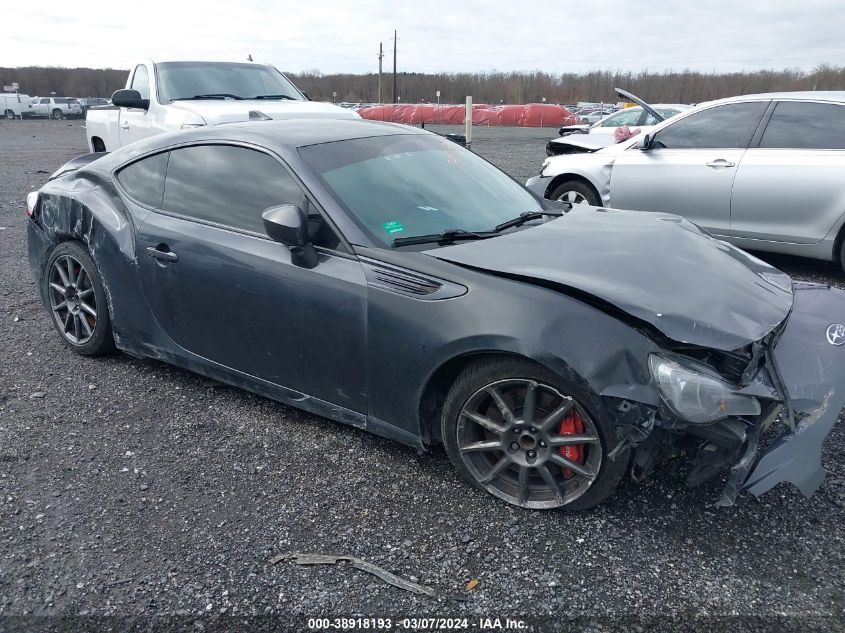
131	488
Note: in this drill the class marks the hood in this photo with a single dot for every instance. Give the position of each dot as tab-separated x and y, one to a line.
645	106
585	142
219	111
657	267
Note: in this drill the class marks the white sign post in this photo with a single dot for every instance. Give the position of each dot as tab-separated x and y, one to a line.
468	122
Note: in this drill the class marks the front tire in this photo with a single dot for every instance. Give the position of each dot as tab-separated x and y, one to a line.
518	431
842	255
77	301
576	192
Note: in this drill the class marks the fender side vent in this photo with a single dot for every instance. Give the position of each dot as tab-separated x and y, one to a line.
398	280
404	282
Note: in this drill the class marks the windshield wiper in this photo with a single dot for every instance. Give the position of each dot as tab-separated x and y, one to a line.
444	237
274	97
217	95
522	218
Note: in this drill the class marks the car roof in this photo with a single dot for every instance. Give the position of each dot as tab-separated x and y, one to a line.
283	136
302	132
806	95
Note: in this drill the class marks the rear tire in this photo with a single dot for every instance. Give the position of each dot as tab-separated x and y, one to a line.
576	192
10	114
58	114
519	460
77	300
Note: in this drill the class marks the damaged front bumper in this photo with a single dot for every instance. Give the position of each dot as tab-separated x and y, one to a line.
538	184
798	379
810	357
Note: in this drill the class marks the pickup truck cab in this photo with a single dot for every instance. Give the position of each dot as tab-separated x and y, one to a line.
168	96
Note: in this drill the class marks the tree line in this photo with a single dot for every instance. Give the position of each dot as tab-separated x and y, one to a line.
485	87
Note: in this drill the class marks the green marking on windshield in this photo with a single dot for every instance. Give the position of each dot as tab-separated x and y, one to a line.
394	226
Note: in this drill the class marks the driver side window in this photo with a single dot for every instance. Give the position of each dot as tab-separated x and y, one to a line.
232	186
726	126
141	81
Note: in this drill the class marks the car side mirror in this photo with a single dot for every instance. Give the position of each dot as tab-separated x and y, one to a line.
129	99
288	224
644	142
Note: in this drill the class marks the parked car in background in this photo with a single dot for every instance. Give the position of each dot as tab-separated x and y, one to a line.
602	133
591	116
168	96
764	172
92	102
379	275
15	105
636	117
57	108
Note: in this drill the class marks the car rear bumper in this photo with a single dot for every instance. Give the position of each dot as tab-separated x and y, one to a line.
811	362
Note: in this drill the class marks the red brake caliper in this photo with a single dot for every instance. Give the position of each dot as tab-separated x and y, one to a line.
570	425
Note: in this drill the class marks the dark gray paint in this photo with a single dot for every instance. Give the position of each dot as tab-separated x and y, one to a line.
579	295
656	267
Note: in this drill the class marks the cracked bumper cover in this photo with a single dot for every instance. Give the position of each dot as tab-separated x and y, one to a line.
813	371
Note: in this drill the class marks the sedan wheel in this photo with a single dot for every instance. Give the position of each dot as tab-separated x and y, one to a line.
572	197
514	430
77	301
576	192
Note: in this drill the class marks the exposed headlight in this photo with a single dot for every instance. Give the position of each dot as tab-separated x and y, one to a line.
697	397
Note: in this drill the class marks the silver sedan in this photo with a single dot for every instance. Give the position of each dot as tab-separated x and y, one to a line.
764	172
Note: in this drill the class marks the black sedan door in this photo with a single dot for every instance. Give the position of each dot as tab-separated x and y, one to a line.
221	289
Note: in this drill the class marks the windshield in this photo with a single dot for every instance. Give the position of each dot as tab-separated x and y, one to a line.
185	80
416	184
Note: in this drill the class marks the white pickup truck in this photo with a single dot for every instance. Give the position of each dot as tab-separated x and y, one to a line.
167	96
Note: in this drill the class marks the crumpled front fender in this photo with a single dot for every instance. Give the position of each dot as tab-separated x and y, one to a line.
813	372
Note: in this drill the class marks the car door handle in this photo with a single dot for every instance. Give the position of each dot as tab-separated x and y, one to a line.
125	125
166	256
720	163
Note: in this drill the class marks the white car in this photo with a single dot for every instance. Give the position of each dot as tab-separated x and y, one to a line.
168	96
603	132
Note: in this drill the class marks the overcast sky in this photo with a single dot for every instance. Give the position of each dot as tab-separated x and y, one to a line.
434	35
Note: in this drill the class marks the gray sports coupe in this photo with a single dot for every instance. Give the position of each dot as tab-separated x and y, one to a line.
389	279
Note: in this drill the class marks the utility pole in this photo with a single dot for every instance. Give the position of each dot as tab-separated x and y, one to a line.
395	93
380	56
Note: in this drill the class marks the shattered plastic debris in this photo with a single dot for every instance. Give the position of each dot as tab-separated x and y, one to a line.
375	570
